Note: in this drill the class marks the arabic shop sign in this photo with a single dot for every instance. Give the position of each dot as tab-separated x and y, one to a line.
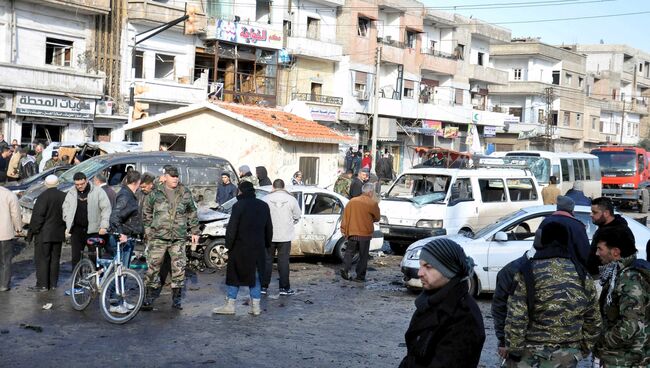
323	113
61	107
222	30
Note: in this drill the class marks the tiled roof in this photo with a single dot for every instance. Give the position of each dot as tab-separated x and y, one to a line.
286	123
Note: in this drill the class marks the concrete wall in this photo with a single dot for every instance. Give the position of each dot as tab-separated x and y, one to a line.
212	133
361	49
327	23
305	71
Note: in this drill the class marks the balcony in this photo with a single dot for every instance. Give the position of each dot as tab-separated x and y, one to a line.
49	80
153	11
439	62
81	6
570	133
520	88
310	97
635	106
318	49
488	75
169	92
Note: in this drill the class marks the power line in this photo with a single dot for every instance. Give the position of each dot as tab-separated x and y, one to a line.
573	18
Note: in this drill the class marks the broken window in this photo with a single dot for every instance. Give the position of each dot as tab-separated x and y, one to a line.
164	67
556	77
363	26
263	11
174	142
516	111
101	134
521	189
492	190
139	63
313	28
410	39
460	52
58	52
517	74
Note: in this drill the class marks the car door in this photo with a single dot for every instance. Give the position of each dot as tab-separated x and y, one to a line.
462	207
493	201
321	215
521	234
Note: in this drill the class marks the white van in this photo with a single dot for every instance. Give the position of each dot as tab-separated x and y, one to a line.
426	202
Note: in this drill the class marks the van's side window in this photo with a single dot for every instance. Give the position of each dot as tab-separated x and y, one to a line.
521	189
203	175
461	190
492	190
114	174
578	171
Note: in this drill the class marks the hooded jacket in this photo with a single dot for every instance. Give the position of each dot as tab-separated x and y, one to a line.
262	175
99	209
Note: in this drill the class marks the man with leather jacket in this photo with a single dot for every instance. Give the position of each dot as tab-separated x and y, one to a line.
125	217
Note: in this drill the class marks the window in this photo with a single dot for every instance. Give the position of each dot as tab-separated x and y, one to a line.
316	89
565	170
568	79
461	190
556	77
432	46
313	28
409	89
458	96
593	123
540	116
578	170
516	111
460	51
114	174
521	189
480	58
517	75
602	127
363	27
139	63
263	10
580	81
101	134
323	204
411	37
492	190
567	118
524	229
360	81
579	120
203	175
58	52
309	168
174	142
587	168
164	67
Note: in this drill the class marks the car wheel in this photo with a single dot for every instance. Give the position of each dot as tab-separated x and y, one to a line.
339	251
645	201
216	254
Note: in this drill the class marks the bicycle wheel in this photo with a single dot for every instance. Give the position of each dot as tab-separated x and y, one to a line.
82	286
122	296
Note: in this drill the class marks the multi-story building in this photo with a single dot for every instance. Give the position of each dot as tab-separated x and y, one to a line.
546	92
621	88
51	88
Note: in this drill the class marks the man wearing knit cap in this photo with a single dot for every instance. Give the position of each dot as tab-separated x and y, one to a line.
446	329
246	175
578	245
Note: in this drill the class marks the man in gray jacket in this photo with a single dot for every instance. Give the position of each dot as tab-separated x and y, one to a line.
285	213
86	212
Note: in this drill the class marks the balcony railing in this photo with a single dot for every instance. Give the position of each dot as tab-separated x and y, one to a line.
317	98
391	42
430	51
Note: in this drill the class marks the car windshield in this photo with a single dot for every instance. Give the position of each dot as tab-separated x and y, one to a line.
88	167
227	206
420	189
539	166
488	229
613	163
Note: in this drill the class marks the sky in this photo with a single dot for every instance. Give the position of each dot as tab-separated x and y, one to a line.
631	29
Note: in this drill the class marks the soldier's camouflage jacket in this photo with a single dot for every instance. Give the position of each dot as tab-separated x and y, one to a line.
170	221
564	314
626	321
342	186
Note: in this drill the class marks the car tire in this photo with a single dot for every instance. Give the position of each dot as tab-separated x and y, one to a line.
645	201
339	251
216	254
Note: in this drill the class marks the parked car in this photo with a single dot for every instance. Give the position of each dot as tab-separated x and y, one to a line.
198	172
317	233
496	245
19	187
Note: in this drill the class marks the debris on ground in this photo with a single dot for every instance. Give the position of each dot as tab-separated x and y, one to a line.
307	301
47	306
31	327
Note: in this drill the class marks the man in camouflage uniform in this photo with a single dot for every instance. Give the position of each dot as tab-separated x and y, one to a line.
624	302
342	184
169	213
553	318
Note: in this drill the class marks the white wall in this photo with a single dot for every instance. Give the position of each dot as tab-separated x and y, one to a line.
478	45
326	15
388	25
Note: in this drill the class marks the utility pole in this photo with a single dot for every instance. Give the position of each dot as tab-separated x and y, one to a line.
622	123
375	117
548	92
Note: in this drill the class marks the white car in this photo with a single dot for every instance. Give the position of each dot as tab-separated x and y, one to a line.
507	239
317	233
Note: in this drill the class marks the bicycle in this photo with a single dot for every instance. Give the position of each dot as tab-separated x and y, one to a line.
121	289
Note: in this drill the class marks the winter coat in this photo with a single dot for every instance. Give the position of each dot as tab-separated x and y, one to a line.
550	194
504	288
446	329
251	178
125	217
366	162
355	187
226	192
10	221
285	214
579	197
359	216
4	164
248	234
13	171
262	175
625	341
99	209
47	223
593	261
342	185
164	220
112	196
578	240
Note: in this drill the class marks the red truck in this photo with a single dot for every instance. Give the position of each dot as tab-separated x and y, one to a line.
625	175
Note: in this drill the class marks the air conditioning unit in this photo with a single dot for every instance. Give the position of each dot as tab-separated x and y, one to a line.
360	95
6	101
104	108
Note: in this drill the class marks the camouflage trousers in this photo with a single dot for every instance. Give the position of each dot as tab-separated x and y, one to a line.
155	254
547	358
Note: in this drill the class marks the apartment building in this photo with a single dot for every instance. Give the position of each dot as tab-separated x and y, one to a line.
51	86
546	92
620	88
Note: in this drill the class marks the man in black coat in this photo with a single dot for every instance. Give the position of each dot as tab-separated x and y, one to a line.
447	327
248	234
602	214
48	230
125	216
358	182
578	240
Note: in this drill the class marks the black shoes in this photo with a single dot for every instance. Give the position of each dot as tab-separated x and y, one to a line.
176	298
149	296
345	275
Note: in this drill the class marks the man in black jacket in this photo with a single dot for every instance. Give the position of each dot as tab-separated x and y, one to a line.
125	217
248	236
602	214
578	245
447	327
358	182
48	230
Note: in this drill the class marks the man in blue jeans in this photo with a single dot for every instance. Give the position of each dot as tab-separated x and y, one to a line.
248	235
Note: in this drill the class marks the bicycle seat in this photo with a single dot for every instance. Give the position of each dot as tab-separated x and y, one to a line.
95	241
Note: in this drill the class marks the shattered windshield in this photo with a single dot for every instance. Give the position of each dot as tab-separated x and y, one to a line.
88	167
227	206
420	189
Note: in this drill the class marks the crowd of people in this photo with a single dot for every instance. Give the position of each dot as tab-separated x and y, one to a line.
18	163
